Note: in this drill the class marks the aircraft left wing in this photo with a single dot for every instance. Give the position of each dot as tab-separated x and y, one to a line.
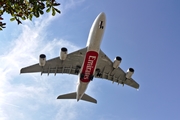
105	70
71	65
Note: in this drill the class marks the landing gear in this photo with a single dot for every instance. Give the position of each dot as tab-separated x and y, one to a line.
122	84
98	74
82	76
77	69
91	77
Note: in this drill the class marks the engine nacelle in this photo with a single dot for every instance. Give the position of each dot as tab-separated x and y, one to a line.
42	59
129	73
117	62
63	53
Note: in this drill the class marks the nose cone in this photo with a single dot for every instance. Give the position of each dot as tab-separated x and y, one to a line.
102	16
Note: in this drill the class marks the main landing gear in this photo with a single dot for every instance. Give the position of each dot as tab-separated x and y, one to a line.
98	73
90	76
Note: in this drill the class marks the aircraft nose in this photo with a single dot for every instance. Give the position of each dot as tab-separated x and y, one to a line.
102	16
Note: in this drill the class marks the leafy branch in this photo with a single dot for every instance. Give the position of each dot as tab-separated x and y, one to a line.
26	9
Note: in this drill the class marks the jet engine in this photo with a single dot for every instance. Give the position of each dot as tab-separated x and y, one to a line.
117	62
42	59
129	73
63	53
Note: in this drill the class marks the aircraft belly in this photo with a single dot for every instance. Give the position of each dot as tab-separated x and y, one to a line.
95	39
81	89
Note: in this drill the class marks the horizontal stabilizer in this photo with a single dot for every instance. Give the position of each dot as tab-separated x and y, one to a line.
67	96
85	97
88	98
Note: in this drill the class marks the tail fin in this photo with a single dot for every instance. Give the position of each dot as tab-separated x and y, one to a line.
85	97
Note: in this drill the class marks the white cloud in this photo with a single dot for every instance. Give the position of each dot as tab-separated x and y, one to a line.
69	4
32	96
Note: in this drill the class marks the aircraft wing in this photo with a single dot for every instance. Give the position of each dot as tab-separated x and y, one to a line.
71	65
106	71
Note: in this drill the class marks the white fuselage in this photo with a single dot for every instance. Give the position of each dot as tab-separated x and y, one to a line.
90	60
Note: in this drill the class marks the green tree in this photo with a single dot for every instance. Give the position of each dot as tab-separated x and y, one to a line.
26	9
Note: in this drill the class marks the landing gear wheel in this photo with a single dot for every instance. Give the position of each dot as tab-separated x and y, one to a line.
77	69
98	72
91	77
82	76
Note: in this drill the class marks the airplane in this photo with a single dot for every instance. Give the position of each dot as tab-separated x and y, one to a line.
88	63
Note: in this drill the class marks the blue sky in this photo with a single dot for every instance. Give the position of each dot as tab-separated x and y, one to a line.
146	34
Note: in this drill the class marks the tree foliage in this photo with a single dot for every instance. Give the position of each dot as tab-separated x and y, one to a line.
26	9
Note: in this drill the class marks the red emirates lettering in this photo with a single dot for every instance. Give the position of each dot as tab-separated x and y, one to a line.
89	65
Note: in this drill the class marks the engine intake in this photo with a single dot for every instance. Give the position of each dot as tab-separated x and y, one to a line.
117	62
63	53
42	59
129	73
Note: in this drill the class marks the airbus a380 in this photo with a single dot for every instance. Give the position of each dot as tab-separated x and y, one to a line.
87	63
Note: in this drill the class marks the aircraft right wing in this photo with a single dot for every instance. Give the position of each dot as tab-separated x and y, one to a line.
105	70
